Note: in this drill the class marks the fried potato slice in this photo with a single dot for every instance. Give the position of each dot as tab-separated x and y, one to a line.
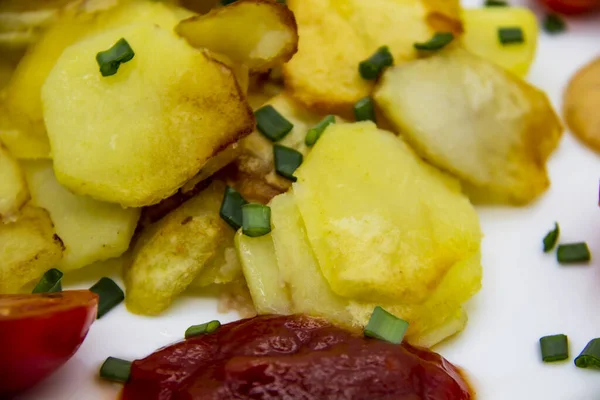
171	253
581	102
337	35
384	225
481	36
136	137
260	34
475	120
269	292
22	126
28	248
91	230
13	188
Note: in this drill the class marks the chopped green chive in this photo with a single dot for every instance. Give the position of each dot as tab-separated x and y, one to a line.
111	59
554	348
272	124
372	66
590	356
257	220
437	42
573	253
386	326
510	35
202	329
50	282
364	109
554	24
110	295
287	160
231	208
551	238
115	369
316	131
496	3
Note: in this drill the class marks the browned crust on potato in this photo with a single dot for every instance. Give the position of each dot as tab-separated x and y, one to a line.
581	102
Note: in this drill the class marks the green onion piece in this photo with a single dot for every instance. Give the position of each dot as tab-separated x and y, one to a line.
50	282
573	253
272	124
437	42
115	369
590	356
316	131
554	24
231	208
372	66
227	2
257	220
111	59
287	161
110	295
510	35
386	326
551	238
364	109
202	329
554	348
496	3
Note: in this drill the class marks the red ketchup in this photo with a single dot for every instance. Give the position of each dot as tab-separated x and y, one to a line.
292	357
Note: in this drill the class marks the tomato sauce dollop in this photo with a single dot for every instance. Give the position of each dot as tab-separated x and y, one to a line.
292	357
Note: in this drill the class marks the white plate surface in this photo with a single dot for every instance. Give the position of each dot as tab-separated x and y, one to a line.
525	294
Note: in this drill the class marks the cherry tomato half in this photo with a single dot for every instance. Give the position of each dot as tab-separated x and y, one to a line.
571	7
39	333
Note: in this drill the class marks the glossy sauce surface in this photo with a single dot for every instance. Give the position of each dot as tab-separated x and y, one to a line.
292	357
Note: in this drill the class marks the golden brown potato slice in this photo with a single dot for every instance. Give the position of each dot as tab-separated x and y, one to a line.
135	137
475	120
171	253
581	104
13	188
91	230
28	248
337	35
258	33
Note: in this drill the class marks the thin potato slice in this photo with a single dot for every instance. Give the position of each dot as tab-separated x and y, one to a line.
28	248
13	188
172	252
258	33
581	102
91	230
269	292
475	120
454	324
337	35
135	137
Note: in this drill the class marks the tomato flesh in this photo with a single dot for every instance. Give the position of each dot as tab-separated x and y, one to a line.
39	333
571	7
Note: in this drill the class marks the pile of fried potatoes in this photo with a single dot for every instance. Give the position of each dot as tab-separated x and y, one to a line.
135	165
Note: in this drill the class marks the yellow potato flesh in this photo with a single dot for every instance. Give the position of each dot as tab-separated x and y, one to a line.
171	253
309	291
384	225
481	36
336	35
91	230
135	137
477	121
268	290
28	248
21	123
13	188
258	33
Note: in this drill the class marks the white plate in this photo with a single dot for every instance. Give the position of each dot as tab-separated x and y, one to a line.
525	294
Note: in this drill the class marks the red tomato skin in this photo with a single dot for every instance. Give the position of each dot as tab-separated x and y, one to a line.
33	345
571	7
